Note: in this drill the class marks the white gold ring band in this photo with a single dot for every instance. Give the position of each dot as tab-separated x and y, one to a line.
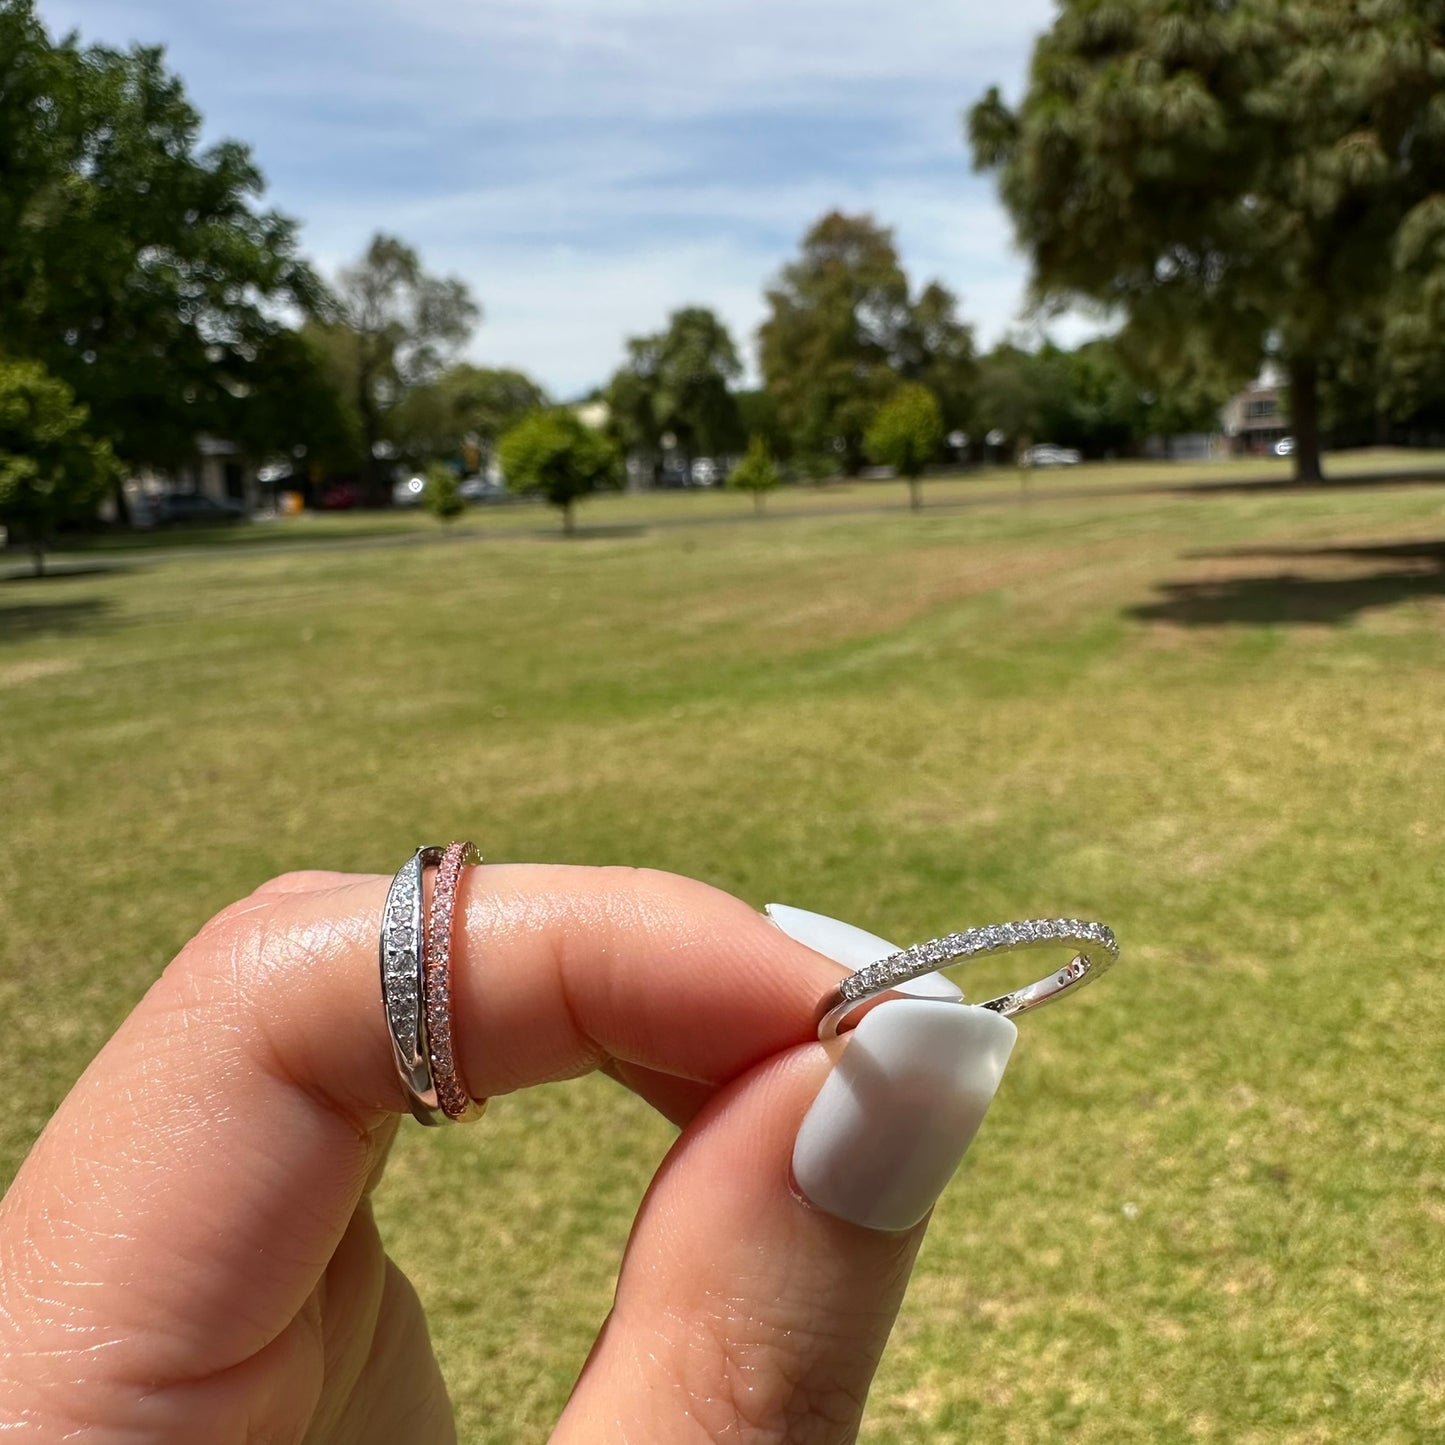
1094	951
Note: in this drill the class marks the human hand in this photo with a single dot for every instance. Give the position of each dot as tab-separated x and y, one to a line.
189	1253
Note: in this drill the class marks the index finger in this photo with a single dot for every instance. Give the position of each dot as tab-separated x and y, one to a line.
182	1203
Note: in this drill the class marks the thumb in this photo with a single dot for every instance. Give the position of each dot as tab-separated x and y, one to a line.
770	1257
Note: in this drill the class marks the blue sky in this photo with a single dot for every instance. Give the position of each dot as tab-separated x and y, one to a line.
588	165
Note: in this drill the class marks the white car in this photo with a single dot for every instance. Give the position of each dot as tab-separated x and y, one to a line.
1046	454
483	489
1284	447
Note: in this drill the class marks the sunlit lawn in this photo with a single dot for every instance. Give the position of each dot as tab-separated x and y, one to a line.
1210	1200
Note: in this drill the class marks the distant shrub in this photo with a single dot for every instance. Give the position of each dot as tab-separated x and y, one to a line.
443	495
756	473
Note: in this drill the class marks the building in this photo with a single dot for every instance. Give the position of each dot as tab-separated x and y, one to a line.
1256	418
218	471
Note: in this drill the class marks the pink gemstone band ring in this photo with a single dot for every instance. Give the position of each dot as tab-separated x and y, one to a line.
458	1106
1094	951
416	984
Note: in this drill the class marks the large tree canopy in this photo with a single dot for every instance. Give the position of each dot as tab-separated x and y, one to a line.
1253	179
842	332
1093	398
134	265
462	414
677	383
397	329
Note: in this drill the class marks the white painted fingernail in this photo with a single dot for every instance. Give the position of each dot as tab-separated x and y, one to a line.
897	1113
852	947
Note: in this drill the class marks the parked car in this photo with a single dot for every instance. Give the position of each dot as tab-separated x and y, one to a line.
341	497
181	509
1284	447
708	473
408	493
1046	454
483	489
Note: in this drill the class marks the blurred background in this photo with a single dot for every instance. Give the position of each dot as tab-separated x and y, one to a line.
930	468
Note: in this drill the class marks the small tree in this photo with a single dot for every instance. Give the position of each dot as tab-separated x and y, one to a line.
553	454
443	496
756	473
50	469
906	435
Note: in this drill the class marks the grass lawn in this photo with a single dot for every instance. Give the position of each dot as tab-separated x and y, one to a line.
613	511
1209	1202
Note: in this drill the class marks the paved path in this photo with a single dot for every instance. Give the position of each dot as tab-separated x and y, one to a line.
81	563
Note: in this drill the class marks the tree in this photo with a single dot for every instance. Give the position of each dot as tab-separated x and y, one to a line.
838	318
553	455
461	415
842	332
443	497
397	329
756	473
1258	176
282	403
677	383
486	402
939	353
758	413
51	470
1095	397
135	266
906	435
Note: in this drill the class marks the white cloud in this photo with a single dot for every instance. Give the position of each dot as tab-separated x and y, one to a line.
586	165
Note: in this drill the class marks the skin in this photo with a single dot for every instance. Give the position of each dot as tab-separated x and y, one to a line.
189	1253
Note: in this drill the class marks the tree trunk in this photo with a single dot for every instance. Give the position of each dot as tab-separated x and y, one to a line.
1304	411
569	519
758	498
122	507
374	470
915	493
37	555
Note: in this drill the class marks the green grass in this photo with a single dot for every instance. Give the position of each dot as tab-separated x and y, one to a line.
614	511
1210	1200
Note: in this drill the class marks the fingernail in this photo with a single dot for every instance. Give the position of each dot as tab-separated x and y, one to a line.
853	948
898	1111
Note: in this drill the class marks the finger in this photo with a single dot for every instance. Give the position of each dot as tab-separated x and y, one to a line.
383	1381
678	1100
854	947
749	1308
184	1200
307	880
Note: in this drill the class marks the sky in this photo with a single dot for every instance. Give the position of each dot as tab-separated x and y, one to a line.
587	166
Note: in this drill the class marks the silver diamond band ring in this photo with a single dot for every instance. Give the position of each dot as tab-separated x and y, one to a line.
403	960
1095	951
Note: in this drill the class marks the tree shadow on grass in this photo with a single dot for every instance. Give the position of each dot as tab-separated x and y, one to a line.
51	619
1419	476
63	571
606	532
1321	593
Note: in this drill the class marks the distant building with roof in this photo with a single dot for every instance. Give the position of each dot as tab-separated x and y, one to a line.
1256	418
